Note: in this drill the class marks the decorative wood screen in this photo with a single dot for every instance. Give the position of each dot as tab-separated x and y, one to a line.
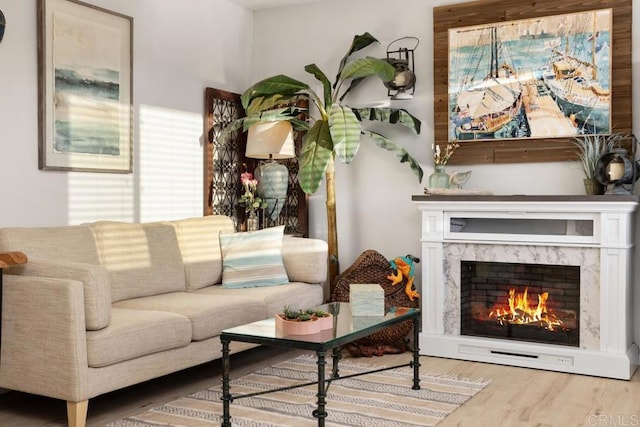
224	161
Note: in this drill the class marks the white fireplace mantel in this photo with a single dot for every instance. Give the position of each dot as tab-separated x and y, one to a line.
595	232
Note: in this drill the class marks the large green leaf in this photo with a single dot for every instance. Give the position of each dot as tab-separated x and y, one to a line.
276	85
389	115
369	66
345	132
280	114
354	84
326	84
317	151
262	103
359	42
300	125
400	153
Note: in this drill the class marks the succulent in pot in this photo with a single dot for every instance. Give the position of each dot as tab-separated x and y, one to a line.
302	322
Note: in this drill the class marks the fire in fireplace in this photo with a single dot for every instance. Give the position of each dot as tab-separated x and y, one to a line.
526	302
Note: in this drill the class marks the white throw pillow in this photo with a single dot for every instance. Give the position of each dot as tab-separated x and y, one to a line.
253	258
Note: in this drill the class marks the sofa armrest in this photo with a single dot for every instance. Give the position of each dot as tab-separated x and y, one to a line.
95	280
43	348
305	259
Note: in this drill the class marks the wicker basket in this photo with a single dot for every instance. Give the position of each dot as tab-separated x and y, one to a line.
373	267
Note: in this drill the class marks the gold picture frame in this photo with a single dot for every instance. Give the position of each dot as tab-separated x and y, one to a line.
85	88
488	12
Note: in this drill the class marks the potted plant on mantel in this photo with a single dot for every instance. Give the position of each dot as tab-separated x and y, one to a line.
302	322
590	149
337	132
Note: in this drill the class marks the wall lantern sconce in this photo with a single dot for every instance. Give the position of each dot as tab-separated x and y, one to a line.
616	171
404	79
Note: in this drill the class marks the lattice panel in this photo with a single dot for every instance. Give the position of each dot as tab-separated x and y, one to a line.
225	161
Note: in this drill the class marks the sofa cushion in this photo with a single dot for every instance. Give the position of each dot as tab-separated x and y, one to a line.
136	333
142	259
295	294
253	258
305	259
70	243
209	314
200	248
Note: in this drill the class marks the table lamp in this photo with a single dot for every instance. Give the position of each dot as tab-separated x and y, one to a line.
271	141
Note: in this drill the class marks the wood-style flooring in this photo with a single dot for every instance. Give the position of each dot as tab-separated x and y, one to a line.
516	396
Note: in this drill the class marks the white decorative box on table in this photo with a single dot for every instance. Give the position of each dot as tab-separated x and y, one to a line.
366	299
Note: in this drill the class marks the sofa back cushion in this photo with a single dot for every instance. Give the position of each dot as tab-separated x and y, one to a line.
200	248
142	259
75	243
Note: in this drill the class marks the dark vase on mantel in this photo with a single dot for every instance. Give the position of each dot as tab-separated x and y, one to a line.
593	187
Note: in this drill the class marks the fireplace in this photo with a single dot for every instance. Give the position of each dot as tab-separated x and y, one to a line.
541	282
518	301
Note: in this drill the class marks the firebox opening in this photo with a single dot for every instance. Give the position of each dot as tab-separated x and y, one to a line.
526	302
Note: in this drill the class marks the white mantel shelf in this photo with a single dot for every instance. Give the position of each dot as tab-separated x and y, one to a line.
533	229
520	198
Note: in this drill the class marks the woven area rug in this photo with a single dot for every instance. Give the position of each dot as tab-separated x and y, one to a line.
383	399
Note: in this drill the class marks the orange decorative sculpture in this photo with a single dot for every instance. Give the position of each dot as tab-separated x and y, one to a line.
404	268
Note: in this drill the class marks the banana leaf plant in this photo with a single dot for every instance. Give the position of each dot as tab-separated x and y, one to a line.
337	131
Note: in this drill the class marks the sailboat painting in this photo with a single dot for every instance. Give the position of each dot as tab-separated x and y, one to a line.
546	77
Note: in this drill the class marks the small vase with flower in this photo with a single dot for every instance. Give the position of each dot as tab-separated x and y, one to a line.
250	200
439	178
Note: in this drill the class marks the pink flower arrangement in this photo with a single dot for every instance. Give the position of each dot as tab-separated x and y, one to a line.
249	199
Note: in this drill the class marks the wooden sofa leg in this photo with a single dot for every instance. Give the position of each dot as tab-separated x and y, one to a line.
77	413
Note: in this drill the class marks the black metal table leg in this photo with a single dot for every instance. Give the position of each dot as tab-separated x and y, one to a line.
321	413
416	353
226	389
337	355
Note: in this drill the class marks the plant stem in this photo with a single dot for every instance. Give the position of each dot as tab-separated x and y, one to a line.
332	228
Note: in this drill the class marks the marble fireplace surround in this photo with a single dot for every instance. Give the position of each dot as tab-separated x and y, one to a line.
605	255
587	258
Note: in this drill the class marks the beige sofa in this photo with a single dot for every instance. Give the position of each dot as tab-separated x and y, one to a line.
106	305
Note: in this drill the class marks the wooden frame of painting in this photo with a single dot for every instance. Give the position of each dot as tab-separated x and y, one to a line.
496	13
85	88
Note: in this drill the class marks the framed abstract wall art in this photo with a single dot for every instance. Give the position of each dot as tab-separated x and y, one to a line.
85	88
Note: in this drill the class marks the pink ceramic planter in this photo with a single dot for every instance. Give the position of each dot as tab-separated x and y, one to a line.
308	327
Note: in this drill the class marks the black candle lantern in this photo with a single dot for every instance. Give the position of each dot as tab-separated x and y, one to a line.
404	79
616	171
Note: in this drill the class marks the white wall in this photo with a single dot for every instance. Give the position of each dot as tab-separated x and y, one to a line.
374	208
180	47
183	46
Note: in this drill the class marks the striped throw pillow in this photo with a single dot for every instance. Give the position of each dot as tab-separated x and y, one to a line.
253	259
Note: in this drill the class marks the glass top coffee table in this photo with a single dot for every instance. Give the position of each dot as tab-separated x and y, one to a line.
346	329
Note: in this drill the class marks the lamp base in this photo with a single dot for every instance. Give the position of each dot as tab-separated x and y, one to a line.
273	182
